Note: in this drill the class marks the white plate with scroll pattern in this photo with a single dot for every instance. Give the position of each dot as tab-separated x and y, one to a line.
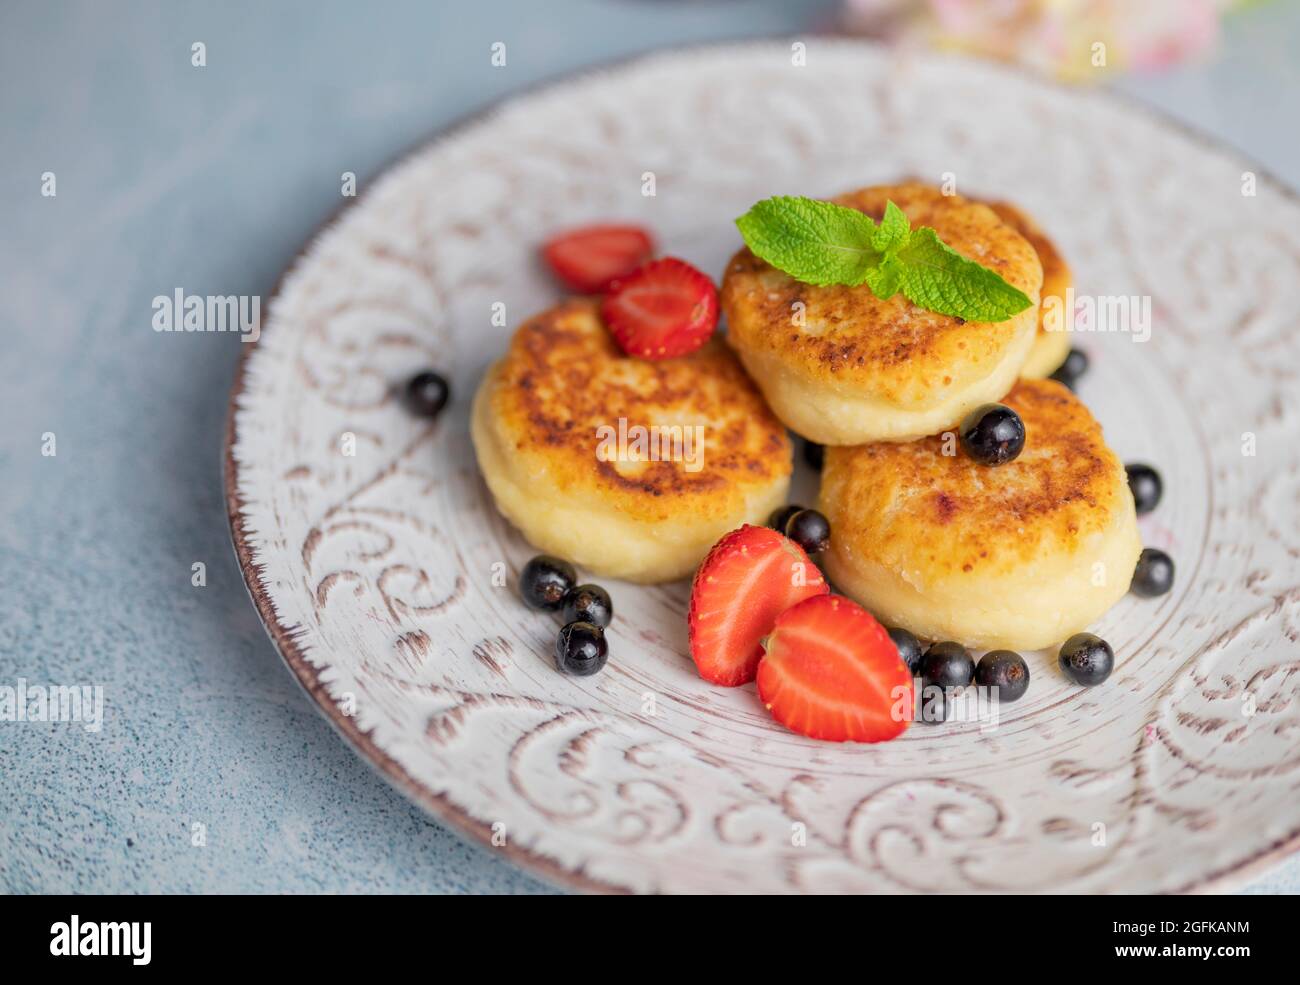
378	574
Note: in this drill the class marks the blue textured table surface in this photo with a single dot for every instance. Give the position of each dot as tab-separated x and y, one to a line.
213	771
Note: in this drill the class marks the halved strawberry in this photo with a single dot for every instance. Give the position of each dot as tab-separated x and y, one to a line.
587	260
662	309
750	577
832	672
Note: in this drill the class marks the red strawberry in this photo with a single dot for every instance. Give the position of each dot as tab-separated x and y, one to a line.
750	577
662	309
832	672
586	260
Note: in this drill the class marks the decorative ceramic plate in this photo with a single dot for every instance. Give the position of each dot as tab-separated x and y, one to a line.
387	578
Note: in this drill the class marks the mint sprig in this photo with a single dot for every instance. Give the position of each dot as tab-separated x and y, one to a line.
821	243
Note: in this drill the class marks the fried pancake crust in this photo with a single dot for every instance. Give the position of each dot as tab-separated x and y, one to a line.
539	419
841	366
1022	555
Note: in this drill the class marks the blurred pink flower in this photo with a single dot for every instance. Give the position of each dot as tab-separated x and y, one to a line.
1077	39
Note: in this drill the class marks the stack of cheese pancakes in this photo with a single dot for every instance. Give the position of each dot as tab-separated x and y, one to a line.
1021	555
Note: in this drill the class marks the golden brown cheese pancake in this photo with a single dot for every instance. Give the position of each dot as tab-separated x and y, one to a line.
842	367
1021	555
1050	348
596	457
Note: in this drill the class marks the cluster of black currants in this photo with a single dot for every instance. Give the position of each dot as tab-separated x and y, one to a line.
945	666
1084	658
550	583
1154	575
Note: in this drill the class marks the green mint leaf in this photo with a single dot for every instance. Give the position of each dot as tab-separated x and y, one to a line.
823	243
886	280
812	241
894	231
937	277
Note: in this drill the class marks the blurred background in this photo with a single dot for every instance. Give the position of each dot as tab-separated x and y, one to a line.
211	180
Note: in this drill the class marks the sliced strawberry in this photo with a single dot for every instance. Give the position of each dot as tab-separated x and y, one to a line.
832	672
750	577
662	309
587	260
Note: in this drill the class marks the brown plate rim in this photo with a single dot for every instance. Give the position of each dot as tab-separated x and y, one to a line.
441	807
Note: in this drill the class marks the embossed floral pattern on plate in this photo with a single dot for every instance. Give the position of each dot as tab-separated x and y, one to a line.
374	572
